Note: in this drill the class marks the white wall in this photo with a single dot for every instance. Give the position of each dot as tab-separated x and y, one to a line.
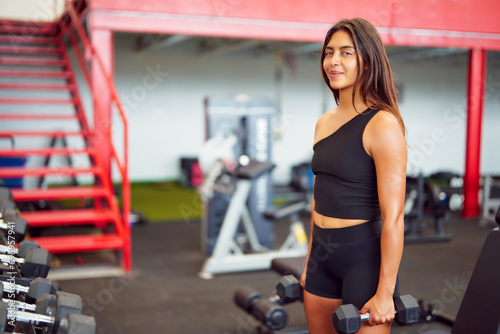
434	109
166	121
31	10
166	115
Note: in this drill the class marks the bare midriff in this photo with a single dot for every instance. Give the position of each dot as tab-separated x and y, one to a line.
329	222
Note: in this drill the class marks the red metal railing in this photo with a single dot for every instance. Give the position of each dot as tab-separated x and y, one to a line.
74	22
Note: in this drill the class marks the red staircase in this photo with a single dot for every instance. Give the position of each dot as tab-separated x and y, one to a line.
40	106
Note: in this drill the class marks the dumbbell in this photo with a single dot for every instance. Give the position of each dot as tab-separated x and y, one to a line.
48	309
19	305
13	225
270	314
36	263
288	289
22	248
347	319
64	317
58	305
36	289
77	324
41	301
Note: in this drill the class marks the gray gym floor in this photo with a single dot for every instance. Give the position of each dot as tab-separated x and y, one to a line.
163	293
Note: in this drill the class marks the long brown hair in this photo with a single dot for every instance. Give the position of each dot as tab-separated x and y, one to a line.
376	85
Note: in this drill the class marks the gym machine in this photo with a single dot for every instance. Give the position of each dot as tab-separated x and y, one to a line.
239	126
228	255
237	227
491	198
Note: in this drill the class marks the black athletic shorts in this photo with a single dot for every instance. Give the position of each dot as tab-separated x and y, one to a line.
344	263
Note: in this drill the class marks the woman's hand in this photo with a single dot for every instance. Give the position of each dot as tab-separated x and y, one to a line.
381	310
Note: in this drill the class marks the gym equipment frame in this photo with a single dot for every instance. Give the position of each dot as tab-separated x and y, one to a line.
228	256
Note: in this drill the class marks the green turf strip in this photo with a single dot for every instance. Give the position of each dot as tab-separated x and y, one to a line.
166	201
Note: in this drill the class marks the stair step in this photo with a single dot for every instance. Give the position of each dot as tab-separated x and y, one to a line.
66	217
38	50
27	29
13	172
80	243
6	133
35	101
31	61
22	39
10	22
42	152
28	86
56	193
30	117
35	74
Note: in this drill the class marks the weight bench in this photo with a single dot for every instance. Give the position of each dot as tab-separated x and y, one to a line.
227	255
479	311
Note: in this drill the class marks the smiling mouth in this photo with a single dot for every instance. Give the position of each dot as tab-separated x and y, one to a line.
335	74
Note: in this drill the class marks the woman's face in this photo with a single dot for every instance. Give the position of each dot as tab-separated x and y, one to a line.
341	61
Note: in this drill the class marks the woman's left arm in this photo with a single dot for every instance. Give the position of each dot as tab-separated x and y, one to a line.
387	146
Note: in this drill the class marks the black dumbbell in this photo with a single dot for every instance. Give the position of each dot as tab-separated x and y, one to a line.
59	305
288	289
13	226
18	305
42	302
48	306
77	324
268	313
36	263
22	248
347	319
37	288
66	319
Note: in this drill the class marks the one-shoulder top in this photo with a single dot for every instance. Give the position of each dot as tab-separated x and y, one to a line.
346	180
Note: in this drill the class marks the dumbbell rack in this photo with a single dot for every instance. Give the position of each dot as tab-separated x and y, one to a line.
35	66
29	302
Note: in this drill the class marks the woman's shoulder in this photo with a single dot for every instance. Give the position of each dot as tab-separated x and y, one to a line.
384	120
385	130
326	115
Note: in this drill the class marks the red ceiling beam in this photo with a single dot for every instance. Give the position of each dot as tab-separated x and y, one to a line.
453	15
446	23
280	30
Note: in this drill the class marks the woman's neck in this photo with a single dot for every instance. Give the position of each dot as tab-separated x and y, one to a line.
346	102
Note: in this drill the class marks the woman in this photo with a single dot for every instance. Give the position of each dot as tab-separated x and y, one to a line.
359	162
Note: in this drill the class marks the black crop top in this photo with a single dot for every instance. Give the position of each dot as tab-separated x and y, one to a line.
346	180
